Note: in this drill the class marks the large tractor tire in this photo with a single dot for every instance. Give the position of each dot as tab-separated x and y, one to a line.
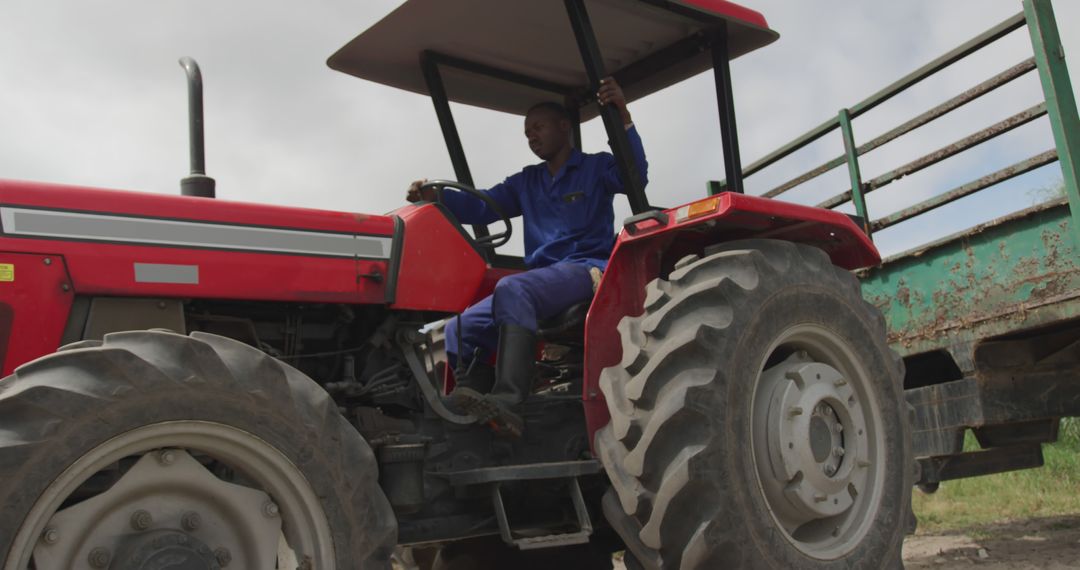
757	418
154	450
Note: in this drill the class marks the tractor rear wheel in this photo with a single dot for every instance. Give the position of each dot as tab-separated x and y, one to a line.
155	449
757	418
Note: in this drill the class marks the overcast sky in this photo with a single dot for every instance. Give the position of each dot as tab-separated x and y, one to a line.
91	94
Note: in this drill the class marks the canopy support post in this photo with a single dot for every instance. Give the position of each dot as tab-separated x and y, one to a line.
449	129
575	119
620	143
725	100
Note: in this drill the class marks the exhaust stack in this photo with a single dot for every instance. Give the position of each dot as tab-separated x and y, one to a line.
198	183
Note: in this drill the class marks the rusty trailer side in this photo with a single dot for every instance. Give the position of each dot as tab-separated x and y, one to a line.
988	322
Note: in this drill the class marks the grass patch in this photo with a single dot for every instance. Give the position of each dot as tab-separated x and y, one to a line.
1051	490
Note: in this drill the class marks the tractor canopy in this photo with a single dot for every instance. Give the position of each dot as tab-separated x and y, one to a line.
507	55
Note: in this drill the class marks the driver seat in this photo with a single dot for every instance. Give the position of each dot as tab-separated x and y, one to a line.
561	363
567	327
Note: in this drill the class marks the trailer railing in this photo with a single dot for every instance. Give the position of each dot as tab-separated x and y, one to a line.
1059	104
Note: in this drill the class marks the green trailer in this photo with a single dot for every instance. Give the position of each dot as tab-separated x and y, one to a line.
987	319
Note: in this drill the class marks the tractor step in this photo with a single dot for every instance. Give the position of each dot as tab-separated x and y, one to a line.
552	540
581	536
536	471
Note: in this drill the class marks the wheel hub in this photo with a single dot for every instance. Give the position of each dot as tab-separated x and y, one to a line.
170	549
167	511
822	441
813	435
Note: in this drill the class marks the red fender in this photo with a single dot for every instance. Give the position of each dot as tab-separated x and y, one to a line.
655	245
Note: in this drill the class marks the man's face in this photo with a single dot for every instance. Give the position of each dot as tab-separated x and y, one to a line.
547	132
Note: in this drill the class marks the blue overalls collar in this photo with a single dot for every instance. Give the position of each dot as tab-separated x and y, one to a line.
572	161
575	158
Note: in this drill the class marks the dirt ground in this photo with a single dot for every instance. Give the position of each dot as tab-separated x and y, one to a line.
1043	544
1052	543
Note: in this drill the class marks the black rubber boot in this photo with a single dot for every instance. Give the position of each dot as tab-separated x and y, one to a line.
471	383
515	371
480	376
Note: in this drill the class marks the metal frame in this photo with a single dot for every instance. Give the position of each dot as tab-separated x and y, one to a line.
725	103
613	124
1059	105
574	98
854	172
433	77
1060	101
430	67
887	93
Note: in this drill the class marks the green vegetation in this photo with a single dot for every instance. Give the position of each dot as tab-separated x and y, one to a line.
1051	490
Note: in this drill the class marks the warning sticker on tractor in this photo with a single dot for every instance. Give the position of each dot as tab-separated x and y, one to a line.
7	272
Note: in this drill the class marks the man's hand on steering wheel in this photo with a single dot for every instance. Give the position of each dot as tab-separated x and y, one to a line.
430	191
417	192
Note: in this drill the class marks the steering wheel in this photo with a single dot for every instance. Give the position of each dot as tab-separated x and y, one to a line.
493	240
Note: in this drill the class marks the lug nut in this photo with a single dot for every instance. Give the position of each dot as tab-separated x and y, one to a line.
167	457
838	451
99	558
141	520
223	556
50	535
830	470
270	509
191	521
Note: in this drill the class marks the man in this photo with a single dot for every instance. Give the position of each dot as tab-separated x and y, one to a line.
566	203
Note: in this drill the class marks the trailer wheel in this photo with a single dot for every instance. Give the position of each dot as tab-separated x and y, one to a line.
156	449
757	418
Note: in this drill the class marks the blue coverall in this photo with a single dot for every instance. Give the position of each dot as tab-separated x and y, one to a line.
569	228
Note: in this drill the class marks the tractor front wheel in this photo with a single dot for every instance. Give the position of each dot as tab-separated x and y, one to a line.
757	418
154	449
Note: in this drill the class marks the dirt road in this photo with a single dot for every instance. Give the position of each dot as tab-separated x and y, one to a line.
1052	543
1043	544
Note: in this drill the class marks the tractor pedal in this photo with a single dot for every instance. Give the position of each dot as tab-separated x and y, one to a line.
581	536
555	387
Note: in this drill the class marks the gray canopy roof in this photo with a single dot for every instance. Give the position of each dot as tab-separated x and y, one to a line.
647	44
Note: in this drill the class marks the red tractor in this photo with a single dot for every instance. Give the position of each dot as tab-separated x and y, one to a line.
193	383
